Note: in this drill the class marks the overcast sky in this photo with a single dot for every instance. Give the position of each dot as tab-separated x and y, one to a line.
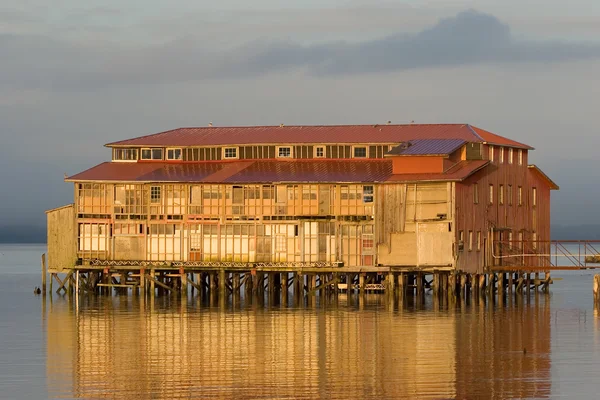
75	75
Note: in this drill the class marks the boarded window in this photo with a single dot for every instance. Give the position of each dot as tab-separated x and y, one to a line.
520	196
475	193
470	240
520	157
501	194
534	197
491	199
491	155
510	155
478	240
125	154
509	195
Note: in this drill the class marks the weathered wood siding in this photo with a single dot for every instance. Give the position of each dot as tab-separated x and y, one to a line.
508	216
62	237
414	225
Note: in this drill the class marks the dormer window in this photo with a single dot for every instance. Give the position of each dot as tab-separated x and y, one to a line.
174	154
359	152
230	152
284	152
319	151
152	154
125	154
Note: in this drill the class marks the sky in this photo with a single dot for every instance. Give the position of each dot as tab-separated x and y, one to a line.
75	75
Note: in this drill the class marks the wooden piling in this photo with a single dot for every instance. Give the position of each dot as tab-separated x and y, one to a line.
361	283
596	288
44	274
402	284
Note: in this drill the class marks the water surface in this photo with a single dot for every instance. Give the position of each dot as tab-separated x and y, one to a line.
540	346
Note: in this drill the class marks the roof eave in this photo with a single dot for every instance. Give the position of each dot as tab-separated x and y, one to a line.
551	183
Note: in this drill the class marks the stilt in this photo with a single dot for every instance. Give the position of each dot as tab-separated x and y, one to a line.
402	284
284	288
463	285
44	274
481	284
222	282
183	279
436	284
596	288
510	282
152	277
143	282
419	279
391	283
361	283
451	287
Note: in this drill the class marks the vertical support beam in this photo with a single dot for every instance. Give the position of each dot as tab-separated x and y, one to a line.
313	282
436	284
143	282
184	286
336	278
222	283
390	287
361	282
401	284
152	287
596	288
419	281
349	283
463	285
451	287
510	283
44	269
284	288
481	284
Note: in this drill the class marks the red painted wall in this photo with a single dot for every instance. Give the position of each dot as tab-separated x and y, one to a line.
504	218
417	164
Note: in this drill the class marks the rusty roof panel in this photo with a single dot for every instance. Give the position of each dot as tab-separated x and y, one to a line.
217	136
427	147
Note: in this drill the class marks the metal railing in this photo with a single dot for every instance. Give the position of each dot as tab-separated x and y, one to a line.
549	254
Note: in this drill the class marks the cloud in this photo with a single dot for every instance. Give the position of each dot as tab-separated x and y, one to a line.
470	37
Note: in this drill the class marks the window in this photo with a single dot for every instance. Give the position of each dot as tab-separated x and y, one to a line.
475	193
174	154
491	156
520	157
510	239
470	240
534	197
155	194
461	240
478	240
501	194
284	152
319	152
520	196
125	154
230	152
367	194
510	195
510	155
534	239
501	155
491	201
152	154
360	152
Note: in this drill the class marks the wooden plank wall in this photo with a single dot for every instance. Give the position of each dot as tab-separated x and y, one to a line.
62	238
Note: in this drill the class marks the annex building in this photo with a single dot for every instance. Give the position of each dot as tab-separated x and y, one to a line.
448	197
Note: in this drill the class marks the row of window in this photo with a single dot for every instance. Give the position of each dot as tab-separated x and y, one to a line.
229	153
502	151
290	193
471	243
509	195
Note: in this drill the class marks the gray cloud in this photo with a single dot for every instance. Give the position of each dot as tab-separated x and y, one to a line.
468	38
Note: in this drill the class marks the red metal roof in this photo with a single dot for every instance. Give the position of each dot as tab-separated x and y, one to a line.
492	138
267	171
216	136
551	184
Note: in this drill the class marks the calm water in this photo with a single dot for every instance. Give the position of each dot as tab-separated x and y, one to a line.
121	347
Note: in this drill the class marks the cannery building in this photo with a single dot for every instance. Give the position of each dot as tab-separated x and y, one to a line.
360	197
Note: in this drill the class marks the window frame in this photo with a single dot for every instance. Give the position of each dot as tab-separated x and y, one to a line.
520	156
316	152
534	196
491	153
368	197
152	150
365	148
491	194
500	155
126	150
278	151
155	194
510	155
520	195
224	155
475	193
173	149
501	194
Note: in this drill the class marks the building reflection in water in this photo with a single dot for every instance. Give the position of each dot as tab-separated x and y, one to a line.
123	347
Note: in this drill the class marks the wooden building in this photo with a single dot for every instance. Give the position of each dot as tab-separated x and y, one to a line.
447	197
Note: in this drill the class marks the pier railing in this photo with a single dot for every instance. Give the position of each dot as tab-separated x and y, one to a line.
546	254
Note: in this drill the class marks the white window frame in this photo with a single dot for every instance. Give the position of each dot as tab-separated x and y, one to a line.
237	153
491	153
279	148
470	240
534	196
151	153
173	149
317	148
501	155
510	155
491	194
354	148
501	195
